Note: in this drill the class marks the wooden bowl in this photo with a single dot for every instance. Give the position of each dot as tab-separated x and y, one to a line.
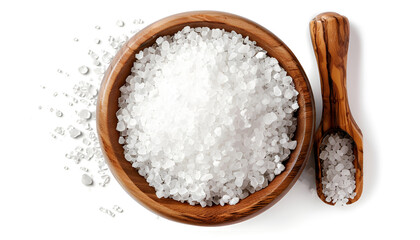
136	185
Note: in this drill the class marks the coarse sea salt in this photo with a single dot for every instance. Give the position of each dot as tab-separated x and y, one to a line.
200	113
338	181
82	99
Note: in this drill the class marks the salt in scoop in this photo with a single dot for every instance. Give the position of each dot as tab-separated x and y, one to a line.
330	39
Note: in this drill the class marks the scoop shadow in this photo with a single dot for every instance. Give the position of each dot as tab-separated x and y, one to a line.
356	94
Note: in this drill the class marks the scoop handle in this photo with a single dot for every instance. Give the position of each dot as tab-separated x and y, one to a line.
330	39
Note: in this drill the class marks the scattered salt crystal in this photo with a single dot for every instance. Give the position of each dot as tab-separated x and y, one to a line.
59	130
85	94
120	23
107	211
138	21
118	208
106	180
106	57
86	141
83	70
87	180
74	133
58	113
85	114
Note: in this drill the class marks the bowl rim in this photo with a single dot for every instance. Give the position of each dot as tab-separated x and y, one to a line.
216	215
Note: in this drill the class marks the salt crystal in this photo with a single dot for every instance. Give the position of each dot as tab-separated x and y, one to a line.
165	45
243	48
159	40
218	131
260	162
74	133
85	114
84	70
120	23
87	180
260	55
292	145
107	211
86	141
288	94
339	167
277	91
120	126
138	21
58	113
331	140
106	57
269	118
323	155
118	208
345	172
234	201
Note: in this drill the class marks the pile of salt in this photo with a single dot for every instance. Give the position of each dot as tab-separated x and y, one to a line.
338	181
207	117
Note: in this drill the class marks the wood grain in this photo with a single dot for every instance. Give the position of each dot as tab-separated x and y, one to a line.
330	34
136	185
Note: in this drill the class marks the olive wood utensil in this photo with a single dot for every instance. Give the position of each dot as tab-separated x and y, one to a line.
330	39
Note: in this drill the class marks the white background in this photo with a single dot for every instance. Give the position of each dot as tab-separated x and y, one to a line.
40	200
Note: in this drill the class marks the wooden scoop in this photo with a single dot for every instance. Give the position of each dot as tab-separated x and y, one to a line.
330	40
